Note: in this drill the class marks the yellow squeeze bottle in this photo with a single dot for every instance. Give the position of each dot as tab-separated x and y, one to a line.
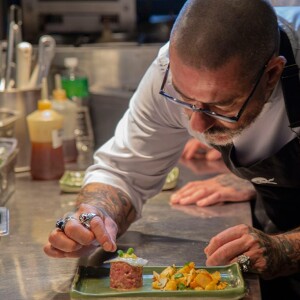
45	132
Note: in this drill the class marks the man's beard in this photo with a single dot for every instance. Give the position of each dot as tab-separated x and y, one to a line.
221	136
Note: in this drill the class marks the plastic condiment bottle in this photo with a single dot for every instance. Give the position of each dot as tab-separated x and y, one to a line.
45	132
75	82
68	109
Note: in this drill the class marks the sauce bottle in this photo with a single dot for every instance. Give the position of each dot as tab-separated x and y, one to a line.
45	132
68	109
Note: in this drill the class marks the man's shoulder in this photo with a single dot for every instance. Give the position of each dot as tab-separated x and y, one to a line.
289	16
163	56
287	12
289	20
161	60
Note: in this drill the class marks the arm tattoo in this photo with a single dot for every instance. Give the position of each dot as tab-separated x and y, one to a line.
109	201
282	252
235	182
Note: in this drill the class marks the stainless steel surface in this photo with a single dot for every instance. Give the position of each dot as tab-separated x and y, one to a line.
46	53
8	118
114	72
164	235
2	24
106	109
24	102
4	221
77	16
119	66
8	158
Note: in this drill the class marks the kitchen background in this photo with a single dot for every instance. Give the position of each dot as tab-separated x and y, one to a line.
76	22
114	41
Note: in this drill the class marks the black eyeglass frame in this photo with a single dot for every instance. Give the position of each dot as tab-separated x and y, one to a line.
194	108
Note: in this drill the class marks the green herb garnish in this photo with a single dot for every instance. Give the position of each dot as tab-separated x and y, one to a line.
130	251
181	286
178	275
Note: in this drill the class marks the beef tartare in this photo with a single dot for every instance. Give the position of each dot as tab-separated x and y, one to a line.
126	270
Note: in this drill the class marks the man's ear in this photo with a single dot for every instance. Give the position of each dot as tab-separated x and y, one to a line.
274	70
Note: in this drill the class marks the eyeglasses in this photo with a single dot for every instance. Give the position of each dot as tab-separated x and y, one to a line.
194	108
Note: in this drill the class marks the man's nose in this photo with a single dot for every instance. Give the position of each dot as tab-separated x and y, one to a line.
200	122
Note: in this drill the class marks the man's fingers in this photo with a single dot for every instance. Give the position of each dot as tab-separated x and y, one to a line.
230	250
185	192
225	237
212	199
105	235
112	229
78	233
213	154
62	242
53	252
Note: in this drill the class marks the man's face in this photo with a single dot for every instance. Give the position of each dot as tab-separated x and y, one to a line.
223	91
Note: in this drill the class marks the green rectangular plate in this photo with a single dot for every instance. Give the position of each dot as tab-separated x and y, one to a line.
71	181
94	282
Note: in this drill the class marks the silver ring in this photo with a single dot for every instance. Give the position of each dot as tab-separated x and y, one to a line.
85	219
244	262
61	223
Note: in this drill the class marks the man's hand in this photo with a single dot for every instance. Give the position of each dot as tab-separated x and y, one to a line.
76	240
194	149
224	187
112	213
270	255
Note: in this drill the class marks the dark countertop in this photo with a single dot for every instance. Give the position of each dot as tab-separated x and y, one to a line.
164	235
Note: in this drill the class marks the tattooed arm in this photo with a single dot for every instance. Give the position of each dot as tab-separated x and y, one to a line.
282	253
270	255
224	187
114	213
109	201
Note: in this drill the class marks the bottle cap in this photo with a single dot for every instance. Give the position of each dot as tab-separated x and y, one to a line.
44	104
71	62
59	93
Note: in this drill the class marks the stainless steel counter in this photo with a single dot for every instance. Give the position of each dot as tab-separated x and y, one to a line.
165	235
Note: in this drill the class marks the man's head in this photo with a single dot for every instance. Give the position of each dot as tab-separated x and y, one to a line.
222	52
207	33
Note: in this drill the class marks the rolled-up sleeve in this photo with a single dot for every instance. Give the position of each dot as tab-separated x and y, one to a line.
147	143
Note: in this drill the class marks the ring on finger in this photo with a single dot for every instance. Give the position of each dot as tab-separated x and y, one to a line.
85	219
244	262
62	222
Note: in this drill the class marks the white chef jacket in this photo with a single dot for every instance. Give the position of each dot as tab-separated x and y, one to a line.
285	2
150	137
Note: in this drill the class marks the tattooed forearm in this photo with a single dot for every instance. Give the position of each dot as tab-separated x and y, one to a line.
109	200
234	182
282	253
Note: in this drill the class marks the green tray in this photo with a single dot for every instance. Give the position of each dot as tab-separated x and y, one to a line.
71	181
94	282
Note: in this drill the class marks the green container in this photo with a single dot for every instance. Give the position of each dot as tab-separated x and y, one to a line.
77	87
